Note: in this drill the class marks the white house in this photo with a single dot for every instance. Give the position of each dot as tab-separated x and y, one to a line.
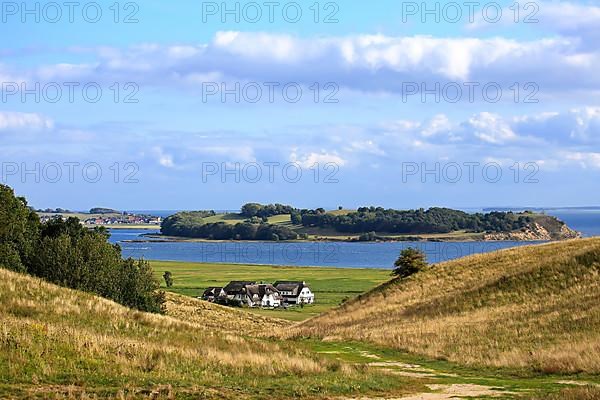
295	292
251	294
264	295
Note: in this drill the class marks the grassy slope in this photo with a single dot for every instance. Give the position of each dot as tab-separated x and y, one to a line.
63	342
534	307
331	285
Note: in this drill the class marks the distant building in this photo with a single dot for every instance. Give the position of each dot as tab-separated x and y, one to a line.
235	292
295	292
213	294
264	295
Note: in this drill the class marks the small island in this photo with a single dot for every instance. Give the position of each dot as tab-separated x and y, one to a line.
278	222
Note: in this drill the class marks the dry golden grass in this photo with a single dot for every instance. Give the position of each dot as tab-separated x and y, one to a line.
575	393
51	336
534	307
216	318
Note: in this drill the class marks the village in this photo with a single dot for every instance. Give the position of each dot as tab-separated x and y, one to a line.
121	219
124	219
261	295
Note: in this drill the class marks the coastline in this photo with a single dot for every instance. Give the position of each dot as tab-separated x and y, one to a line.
153	238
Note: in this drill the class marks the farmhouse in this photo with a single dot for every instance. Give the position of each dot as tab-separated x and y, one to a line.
263	296
295	292
235	292
251	294
213	294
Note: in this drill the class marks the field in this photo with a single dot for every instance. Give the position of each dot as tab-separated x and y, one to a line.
515	324
533	308
233	219
331	285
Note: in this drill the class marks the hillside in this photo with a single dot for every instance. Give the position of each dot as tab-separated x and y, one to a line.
60	343
533	307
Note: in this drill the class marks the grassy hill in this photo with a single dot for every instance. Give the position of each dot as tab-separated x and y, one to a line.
58	343
533	308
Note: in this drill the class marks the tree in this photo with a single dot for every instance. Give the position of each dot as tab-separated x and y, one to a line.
68	254
168	278
410	262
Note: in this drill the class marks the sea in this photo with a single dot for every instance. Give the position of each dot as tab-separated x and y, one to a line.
322	254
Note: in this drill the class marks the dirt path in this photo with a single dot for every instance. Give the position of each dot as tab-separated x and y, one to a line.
444	380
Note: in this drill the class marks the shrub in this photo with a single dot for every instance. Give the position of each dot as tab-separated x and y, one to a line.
168	276
410	262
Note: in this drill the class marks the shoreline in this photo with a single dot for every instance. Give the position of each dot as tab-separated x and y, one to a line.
152	238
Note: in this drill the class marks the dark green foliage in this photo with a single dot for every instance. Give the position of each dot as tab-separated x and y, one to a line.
368	237
434	220
102	210
68	254
296	218
410	262
139	288
18	230
10	258
258	210
168	277
182	225
182	220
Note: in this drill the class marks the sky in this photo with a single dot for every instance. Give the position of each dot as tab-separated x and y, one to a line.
210	105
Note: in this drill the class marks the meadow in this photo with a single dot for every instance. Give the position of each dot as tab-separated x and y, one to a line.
332	286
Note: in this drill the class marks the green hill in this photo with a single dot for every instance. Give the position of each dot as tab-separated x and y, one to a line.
57	343
534	308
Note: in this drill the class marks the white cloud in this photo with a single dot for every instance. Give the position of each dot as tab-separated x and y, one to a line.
13	121
372	63
584	159
164	159
233	153
575	126
438	124
310	159
490	128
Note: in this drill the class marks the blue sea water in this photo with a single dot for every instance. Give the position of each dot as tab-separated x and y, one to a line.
324	254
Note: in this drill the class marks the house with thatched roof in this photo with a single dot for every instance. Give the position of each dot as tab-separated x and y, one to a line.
295	292
263	295
213	294
235	292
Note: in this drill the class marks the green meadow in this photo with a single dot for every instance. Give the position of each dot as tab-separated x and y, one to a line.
332	286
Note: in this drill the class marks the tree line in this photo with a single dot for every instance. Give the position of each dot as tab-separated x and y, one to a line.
265	211
421	221
66	253
248	230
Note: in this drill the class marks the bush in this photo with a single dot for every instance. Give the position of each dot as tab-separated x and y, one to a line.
410	262
168	276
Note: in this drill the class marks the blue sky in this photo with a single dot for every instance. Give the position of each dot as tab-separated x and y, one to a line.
382	105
